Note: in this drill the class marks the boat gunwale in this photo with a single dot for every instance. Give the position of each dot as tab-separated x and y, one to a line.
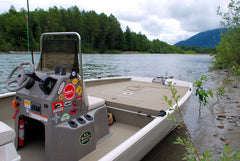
8	94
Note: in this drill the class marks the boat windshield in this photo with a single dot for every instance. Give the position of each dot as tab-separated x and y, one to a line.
59	51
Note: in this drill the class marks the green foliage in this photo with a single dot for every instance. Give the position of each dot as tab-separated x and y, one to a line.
227	154
221	88
199	50
158	46
228	50
190	52
230	155
98	32
200	92
220	91
192	151
235	69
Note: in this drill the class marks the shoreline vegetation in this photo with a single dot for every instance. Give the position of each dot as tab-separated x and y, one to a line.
100	33
107	52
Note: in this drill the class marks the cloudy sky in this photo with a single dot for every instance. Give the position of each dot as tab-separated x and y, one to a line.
168	20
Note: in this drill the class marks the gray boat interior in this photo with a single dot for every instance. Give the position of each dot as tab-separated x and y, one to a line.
71	125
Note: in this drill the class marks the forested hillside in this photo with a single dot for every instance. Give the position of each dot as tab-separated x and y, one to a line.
99	32
210	38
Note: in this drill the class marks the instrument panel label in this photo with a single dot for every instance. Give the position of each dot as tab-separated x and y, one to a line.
27	103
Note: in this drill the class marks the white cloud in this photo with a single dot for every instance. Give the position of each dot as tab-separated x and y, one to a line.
167	20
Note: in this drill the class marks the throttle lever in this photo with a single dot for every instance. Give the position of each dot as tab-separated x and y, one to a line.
33	75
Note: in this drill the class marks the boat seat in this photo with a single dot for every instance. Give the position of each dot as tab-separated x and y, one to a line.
7	134
95	102
7	148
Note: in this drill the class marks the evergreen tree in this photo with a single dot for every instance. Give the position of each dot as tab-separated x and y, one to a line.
128	39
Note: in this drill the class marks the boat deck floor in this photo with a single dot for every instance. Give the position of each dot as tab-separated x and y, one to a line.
136	96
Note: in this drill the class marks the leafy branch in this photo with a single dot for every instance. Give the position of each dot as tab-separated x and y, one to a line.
192	152
189	144
200	92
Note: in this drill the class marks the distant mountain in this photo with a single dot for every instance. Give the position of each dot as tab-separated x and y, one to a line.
209	38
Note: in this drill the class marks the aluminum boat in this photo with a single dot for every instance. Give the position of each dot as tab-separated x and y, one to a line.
58	115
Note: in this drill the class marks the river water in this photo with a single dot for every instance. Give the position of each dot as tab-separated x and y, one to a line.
184	67
202	125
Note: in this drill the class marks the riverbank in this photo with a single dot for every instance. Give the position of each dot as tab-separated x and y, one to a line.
223	124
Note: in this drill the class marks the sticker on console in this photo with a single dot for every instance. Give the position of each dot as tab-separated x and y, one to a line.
57	107
79	97
73	111
61	87
75	81
85	138
60	96
55	118
79	90
67	103
27	103
76	103
69	91
65	117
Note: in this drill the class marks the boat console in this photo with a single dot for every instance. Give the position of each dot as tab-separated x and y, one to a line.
53	99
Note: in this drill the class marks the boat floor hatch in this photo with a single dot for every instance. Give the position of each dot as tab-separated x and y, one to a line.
144	97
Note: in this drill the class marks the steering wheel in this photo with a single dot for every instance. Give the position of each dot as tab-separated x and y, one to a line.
21	79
